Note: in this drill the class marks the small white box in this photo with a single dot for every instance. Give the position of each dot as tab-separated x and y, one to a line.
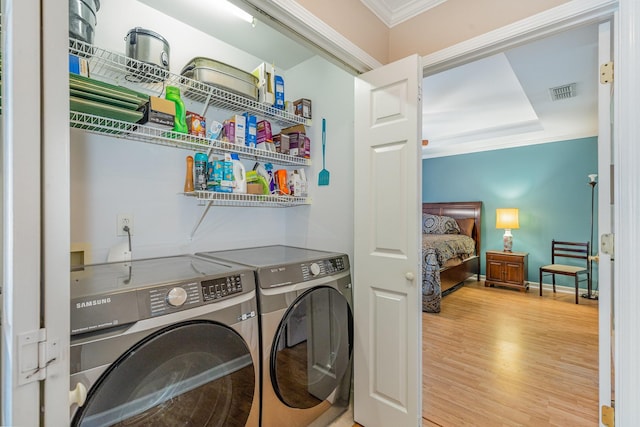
240	127
266	75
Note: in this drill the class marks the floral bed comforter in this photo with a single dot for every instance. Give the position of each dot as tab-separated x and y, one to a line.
437	249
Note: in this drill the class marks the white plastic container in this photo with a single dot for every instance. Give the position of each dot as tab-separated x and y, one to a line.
239	175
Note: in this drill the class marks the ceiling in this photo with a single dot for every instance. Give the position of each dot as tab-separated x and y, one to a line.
504	100
215	18
497	102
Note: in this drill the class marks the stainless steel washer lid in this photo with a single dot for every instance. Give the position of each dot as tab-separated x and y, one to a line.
271	256
110	278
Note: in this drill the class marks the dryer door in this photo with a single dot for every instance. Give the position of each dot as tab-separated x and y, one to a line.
312	350
193	373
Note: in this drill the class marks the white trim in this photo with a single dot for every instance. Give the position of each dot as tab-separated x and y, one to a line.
431	152
627	202
393	17
605	210
568	15
56	190
303	22
21	181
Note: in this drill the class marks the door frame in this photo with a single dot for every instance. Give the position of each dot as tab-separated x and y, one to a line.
626	299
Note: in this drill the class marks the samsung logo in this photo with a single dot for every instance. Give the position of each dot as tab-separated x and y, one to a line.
91	303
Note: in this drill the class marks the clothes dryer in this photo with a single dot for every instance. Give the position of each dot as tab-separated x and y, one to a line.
306	324
164	341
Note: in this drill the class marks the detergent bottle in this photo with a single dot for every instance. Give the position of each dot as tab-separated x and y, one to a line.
239	175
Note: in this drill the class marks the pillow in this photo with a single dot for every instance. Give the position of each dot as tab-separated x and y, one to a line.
436	224
466	226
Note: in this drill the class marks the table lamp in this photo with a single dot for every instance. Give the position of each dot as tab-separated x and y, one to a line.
507	219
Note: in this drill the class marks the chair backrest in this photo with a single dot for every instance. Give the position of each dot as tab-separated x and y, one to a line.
577	250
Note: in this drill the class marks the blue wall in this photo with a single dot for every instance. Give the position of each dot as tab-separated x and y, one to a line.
547	182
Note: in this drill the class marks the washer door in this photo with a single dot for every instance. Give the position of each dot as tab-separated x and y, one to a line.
312	349
193	373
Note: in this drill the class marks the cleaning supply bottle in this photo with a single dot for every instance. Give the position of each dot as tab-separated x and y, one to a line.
180	122
272	184
239	175
200	162
188	181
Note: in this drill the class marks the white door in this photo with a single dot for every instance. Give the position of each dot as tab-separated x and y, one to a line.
387	273
605	209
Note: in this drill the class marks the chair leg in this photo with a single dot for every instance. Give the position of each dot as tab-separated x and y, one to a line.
540	282
554	282
576	277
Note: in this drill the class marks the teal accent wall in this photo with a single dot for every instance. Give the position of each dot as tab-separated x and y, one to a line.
547	182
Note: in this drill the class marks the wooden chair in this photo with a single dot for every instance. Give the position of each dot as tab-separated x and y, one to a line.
575	250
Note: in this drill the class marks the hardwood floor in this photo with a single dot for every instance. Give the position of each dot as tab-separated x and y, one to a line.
500	357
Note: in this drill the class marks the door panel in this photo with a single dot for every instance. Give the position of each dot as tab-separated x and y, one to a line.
387	274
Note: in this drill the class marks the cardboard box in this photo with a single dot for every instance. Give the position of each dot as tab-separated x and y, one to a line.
264	132
159	113
278	143
78	65
196	124
234	129
253	188
295	142
279	93
266	83
294	129
251	130
303	107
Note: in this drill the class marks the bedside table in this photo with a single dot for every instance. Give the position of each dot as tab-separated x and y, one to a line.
507	269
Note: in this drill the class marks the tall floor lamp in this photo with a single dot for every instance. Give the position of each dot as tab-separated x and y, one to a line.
592	183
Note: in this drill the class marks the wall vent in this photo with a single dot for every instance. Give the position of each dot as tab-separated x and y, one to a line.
563	92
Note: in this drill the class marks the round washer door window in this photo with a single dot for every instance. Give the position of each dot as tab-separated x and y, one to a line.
311	353
194	373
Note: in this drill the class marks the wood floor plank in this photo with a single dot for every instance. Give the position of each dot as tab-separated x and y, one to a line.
499	357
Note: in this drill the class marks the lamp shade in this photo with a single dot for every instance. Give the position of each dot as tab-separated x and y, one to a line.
507	218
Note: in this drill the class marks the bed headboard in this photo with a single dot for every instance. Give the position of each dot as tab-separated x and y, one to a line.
459	210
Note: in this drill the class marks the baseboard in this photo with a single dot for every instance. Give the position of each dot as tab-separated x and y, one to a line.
547	287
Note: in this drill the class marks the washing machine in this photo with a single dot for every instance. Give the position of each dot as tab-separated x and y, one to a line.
306	325
164	342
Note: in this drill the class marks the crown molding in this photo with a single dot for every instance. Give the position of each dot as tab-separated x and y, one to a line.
552	21
392	17
513	141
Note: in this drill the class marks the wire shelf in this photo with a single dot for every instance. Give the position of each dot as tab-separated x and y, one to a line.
138	75
133	131
249	200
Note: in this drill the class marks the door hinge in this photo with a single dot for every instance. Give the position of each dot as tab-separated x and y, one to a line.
35	354
606	73
607	244
608	416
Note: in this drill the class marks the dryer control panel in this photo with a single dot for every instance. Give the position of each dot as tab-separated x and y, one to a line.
273	276
322	268
221	287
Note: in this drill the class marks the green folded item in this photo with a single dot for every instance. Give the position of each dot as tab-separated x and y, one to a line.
107	90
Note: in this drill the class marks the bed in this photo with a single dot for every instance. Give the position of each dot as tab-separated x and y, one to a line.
449	257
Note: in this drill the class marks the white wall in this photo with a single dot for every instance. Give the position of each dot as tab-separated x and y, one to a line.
328	223
111	176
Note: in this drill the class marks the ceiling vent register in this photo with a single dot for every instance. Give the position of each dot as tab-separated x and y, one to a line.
563	92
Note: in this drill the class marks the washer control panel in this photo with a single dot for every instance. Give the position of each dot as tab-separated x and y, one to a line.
163	300
221	287
322	268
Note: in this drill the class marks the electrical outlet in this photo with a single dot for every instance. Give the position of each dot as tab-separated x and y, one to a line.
124	220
